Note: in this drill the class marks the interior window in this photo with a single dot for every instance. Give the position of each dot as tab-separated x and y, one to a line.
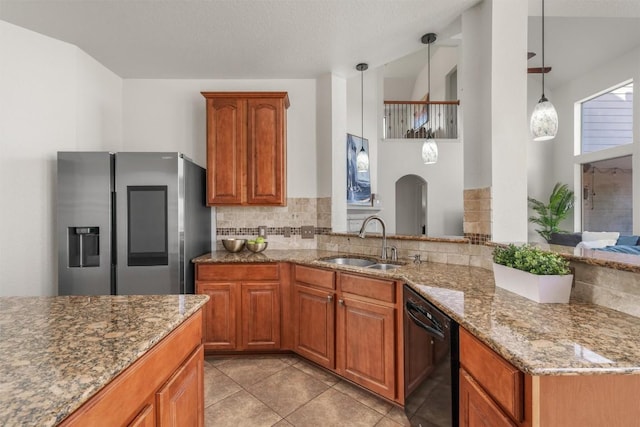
607	200
607	119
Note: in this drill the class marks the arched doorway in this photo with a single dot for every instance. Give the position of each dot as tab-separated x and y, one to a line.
411	206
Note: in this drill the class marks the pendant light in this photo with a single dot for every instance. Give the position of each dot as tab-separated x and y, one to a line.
429	146
544	120
362	160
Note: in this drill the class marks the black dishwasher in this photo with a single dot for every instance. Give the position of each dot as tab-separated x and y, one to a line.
431	363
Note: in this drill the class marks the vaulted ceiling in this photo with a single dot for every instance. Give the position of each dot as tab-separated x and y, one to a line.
304	38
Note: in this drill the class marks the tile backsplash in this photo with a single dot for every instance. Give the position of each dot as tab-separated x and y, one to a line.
243	222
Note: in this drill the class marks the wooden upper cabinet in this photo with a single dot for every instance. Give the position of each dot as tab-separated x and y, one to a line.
246	148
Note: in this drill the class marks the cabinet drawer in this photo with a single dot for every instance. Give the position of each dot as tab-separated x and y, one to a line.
237	272
315	276
383	290
501	380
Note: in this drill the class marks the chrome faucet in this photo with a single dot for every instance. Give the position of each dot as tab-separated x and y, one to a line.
363	231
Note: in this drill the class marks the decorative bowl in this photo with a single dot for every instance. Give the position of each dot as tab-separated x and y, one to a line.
233	245
257	247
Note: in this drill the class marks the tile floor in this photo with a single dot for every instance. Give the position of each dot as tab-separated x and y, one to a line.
284	390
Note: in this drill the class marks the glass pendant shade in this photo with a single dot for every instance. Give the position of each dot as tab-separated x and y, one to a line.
362	161
429	151
544	121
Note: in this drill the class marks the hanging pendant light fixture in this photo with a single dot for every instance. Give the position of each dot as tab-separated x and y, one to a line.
429	146
544	120
362	160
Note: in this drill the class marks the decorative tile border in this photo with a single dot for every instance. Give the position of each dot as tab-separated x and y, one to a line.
478	239
271	231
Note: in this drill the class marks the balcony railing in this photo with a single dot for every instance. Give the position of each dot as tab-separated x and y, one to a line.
415	119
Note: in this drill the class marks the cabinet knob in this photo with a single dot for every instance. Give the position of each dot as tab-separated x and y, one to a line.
329	298
341	301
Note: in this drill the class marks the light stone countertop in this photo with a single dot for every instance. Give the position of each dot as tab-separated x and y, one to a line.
57	352
540	339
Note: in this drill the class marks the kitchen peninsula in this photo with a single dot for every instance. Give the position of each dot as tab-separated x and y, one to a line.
580	362
68	359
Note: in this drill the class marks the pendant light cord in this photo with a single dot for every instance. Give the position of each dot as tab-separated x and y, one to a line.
429	71
543	70
362	105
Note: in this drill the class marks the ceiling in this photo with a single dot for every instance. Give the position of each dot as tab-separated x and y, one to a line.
264	39
236	38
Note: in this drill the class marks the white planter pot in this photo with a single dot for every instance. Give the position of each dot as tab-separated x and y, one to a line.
550	288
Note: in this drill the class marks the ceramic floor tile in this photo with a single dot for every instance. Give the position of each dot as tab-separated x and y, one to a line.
333	408
397	415
247	371
387	422
218	387
364	397
316	372
287	390
240	409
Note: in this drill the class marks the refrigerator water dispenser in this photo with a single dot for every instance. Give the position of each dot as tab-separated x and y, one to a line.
84	246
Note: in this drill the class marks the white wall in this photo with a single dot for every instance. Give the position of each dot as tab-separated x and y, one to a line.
509	123
443	60
53	97
398	88
444	183
169	115
474	86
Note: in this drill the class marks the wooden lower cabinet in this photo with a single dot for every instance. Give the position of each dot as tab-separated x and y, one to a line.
260	316
366	345
476	406
146	417
243	312
165	387
180	401
314	324
349	323
221	331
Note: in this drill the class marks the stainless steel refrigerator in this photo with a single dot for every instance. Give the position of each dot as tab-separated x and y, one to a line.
129	223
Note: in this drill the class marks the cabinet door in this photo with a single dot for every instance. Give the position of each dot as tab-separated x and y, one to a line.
181	400
146	417
365	345
313	321
260	316
226	165
220	322
266	155
477	408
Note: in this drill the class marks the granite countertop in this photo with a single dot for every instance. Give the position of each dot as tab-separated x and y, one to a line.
57	352
540	339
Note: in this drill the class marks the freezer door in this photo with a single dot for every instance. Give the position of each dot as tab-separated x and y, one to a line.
147	218
83	197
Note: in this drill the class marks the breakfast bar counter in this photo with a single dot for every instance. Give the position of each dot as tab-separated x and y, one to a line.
58	352
539	339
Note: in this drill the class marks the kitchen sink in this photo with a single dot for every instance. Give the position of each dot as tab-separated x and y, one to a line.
356	262
381	266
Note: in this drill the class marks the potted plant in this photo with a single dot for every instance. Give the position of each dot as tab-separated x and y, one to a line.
551	214
532	273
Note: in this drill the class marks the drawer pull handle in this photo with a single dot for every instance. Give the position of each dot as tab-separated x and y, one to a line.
341	301
329	298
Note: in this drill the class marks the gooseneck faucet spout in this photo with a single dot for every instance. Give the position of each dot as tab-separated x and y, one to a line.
363	232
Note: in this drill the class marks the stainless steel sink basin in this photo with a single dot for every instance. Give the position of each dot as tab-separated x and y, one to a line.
383	266
356	262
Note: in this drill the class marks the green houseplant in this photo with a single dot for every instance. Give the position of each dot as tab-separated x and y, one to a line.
532	273
550	215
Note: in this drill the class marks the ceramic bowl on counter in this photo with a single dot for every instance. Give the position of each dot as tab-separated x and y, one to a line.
234	245
257	246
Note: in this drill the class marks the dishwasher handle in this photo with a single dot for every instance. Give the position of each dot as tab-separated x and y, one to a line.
436	330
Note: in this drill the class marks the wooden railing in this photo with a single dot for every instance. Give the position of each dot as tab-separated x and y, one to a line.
416	119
